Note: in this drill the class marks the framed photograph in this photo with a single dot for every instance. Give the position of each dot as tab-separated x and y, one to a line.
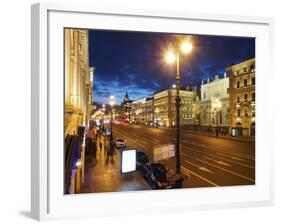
162	111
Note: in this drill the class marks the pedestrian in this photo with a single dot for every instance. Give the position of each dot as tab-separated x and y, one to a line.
110	151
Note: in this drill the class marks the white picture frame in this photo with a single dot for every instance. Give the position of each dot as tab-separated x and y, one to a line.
48	201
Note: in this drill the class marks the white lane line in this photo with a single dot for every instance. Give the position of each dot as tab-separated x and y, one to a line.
229	160
197	175
217	161
199	167
221	158
234	173
236	158
223	163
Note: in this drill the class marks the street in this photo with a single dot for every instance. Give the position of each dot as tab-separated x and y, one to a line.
210	161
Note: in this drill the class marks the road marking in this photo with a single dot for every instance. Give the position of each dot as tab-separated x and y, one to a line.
230	154
220	157
241	164
199	167
205	169
217	161
234	173
223	163
236	158
197	175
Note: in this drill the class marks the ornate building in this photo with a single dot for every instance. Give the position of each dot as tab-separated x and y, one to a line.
165	109
214	104
126	106
242	97
78	80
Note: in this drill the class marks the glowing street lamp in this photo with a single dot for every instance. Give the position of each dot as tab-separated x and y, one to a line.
217	106
172	57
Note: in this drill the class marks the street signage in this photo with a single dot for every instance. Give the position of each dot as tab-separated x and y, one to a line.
163	152
128	160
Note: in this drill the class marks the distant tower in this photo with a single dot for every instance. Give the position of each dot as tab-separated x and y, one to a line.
126	98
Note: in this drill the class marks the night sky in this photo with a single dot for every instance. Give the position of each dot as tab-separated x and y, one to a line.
134	61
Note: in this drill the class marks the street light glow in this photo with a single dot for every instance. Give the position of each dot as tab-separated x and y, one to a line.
186	47
111	100
170	58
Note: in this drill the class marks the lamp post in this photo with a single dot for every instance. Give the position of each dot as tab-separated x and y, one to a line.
111	102
217	106
171	57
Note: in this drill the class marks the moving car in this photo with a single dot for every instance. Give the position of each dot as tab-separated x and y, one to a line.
120	143
160	177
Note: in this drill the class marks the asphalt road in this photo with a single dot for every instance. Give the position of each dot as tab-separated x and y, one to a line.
209	160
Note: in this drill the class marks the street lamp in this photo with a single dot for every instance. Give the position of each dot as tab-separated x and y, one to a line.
171	58
111	103
217	107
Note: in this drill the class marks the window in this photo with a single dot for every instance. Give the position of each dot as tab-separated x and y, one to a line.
237	84
246	112
245	82
253	113
220	115
253	80
252	67
238	99
245	69
204	95
238	112
246	97
254	96
227	90
237	72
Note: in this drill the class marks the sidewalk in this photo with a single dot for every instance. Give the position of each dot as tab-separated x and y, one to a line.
105	176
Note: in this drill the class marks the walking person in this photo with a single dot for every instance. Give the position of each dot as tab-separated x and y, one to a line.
110	151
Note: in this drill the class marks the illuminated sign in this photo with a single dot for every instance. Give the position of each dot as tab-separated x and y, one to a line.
128	160
163	152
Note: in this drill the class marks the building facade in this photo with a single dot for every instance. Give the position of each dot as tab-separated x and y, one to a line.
214	104
242	97
78	80
164	109
142	111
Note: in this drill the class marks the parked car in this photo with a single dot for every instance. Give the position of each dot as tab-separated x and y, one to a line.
120	143
142	159
160	177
